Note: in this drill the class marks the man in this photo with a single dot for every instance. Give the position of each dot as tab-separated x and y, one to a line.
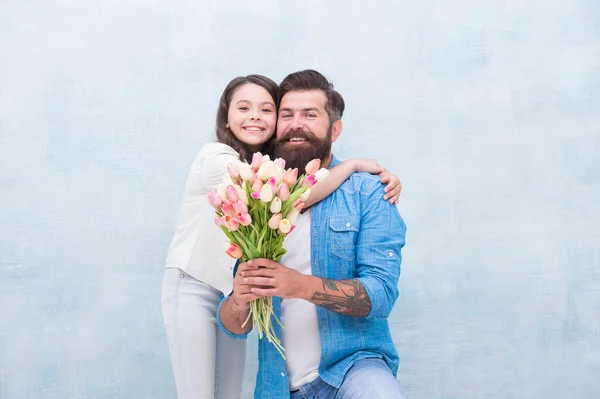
336	286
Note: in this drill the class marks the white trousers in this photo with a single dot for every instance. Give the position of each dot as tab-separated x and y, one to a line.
207	363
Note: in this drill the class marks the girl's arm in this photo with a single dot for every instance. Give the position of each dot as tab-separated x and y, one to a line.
339	173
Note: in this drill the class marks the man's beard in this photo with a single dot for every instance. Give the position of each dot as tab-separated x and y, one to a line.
297	155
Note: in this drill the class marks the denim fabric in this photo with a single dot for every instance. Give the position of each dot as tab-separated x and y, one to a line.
354	234
368	378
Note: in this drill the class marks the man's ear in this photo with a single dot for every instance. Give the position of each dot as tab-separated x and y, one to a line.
336	130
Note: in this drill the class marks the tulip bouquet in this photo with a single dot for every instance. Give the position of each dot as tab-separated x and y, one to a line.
256	206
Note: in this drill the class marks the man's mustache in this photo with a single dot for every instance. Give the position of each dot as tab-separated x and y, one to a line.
297	133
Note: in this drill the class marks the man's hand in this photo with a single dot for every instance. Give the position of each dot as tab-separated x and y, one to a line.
264	277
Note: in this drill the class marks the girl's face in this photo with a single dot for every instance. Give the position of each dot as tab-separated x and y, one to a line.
252	116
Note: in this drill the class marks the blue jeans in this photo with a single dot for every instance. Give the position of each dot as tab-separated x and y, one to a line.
368	378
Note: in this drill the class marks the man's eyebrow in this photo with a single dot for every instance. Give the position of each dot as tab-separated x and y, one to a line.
303	109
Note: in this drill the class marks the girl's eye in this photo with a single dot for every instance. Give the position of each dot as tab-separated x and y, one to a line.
243	108
267	110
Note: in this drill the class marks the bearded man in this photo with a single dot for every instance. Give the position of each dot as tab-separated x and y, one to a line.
336	286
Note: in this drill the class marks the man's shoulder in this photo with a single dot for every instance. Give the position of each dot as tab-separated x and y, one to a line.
362	183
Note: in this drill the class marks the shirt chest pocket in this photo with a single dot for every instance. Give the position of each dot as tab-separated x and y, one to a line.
343	233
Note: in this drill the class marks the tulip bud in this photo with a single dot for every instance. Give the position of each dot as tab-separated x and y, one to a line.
305	195
242	194
290	176
266	194
280	162
283	191
266	158
285	226
244	219
233	171
258	184
229	209
266	170
292	215
274	221
235	251
214	200
271	182
275	205
321	174
221	191
230	223
246	172
313	166
240	207
257	160
232	194
218	221
309	181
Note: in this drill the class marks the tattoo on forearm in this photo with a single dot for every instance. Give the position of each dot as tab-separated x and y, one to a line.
347	297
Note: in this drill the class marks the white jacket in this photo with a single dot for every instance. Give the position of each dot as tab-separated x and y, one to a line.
198	247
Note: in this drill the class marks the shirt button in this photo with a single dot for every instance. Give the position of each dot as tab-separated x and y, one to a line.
391	254
182	275
347	224
282	374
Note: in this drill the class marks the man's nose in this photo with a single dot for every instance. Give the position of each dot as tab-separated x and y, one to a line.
296	123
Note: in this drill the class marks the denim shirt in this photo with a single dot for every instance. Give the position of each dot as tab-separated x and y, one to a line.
355	234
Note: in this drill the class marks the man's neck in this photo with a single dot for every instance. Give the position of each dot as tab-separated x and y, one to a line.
327	161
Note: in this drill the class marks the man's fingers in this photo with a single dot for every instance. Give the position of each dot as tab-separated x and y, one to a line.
262	272
262	281
264	291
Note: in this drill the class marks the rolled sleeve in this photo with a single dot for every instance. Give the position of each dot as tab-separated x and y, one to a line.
231	335
379	245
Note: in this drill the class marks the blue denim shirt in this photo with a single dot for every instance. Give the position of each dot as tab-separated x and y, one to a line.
354	234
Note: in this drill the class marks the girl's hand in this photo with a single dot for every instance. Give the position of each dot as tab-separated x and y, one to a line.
393	188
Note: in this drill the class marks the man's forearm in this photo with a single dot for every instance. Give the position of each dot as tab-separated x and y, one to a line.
233	316
348	297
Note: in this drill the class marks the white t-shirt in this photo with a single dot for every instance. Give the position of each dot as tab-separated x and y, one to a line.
198	247
300	335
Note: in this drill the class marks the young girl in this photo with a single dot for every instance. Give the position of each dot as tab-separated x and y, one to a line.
207	363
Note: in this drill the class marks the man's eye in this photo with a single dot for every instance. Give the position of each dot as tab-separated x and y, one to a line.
285	115
311	115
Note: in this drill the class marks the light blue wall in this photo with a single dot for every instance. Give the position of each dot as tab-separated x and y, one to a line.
488	110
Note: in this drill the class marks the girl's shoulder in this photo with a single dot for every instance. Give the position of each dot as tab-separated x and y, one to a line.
216	148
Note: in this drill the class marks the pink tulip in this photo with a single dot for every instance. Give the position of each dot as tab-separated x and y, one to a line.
230	223
274	221
310	181
229	209
233	171
244	219
218	221
255	195
214	200
271	182
232	194
283	191
235	251
258	184
280	162
313	166
242	194
290	176
240	207
257	160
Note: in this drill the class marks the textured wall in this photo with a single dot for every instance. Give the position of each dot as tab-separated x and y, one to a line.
488	110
